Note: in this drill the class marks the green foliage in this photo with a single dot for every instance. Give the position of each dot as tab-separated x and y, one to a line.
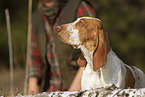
124	22
18	20
3	46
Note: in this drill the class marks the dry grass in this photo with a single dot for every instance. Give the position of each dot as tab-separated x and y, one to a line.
5	81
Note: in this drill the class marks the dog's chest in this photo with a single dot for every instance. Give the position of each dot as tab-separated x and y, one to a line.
92	79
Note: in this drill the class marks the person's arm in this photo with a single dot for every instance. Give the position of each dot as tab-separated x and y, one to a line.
34	67
76	84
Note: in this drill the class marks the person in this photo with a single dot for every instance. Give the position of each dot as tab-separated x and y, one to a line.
48	55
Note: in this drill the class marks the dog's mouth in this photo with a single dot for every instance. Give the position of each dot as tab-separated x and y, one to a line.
62	39
76	46
73	45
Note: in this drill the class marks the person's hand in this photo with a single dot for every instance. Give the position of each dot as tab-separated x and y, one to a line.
33	87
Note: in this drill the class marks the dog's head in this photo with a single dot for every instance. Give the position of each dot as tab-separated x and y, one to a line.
89	32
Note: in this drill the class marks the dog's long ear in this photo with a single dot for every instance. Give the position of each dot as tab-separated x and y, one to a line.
81	61
100	52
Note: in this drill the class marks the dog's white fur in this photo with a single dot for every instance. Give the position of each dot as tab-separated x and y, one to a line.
113	72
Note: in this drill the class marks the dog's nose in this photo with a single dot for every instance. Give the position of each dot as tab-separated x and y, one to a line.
59	28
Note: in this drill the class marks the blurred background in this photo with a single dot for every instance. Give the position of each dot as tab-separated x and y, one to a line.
123	20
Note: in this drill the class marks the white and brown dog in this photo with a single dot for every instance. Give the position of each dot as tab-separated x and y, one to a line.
103	67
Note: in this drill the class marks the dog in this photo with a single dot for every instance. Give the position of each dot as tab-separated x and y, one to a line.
102	66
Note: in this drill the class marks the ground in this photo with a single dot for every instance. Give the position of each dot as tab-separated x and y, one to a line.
5	81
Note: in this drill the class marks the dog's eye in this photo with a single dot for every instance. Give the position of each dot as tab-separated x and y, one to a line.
81	23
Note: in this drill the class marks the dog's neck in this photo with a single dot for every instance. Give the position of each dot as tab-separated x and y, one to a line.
87	54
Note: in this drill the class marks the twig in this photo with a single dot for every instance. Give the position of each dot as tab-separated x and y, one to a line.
28	46
10	51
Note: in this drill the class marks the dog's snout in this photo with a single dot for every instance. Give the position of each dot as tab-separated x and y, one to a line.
59	28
